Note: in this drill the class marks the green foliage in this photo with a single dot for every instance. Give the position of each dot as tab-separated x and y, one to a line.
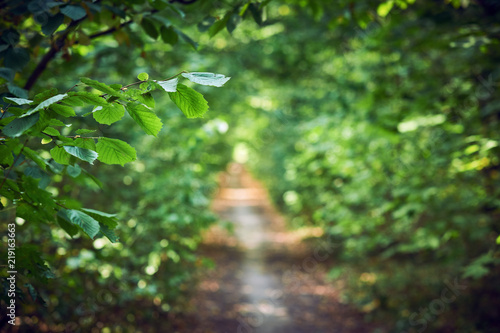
55	138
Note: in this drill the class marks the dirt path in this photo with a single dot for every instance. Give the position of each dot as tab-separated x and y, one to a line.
266	280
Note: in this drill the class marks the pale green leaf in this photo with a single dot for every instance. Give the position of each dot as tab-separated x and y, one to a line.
82	153
18	101
45	104
170	85
207	79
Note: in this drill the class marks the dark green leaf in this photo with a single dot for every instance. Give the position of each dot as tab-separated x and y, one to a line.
219	25
74	171
104	218
73	12
168	35
82	153
20	125
89	225
110	234
206	23
149	27
52	24
16	58
17	91
31	154
187	39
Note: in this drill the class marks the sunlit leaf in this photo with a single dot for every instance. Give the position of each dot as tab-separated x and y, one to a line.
191	102
114	151
109	114
207	79
146	118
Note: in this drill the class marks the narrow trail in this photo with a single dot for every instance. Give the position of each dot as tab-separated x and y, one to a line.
265	280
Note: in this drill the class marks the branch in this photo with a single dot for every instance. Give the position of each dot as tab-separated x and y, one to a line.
56	47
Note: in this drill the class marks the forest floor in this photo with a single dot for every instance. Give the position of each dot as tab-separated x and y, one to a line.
266	279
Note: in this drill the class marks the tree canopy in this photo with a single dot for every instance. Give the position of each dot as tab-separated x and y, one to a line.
376	121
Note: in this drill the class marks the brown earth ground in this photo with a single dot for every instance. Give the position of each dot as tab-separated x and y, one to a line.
267	279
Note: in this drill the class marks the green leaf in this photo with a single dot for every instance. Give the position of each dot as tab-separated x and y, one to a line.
86	143
51	131
40	97
74	170
114	151
100	86
60	155
219	25
64	222
84	131
104	218
147	99
206	23
384	8
17	91
256	13
191	102
57	122
45	104
110	234
72	101
31	154
143	76
93	178
498	240
89	225
73	12
146	118
6	156
149	27
82	153
18	101
168	35
187	39
63	110
207	79
20	125
16	58
89	98
170	85
52	24
108	114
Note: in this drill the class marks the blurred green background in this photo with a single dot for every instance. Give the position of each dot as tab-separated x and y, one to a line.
377	121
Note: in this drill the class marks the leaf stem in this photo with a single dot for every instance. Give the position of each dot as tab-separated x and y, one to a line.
139	82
